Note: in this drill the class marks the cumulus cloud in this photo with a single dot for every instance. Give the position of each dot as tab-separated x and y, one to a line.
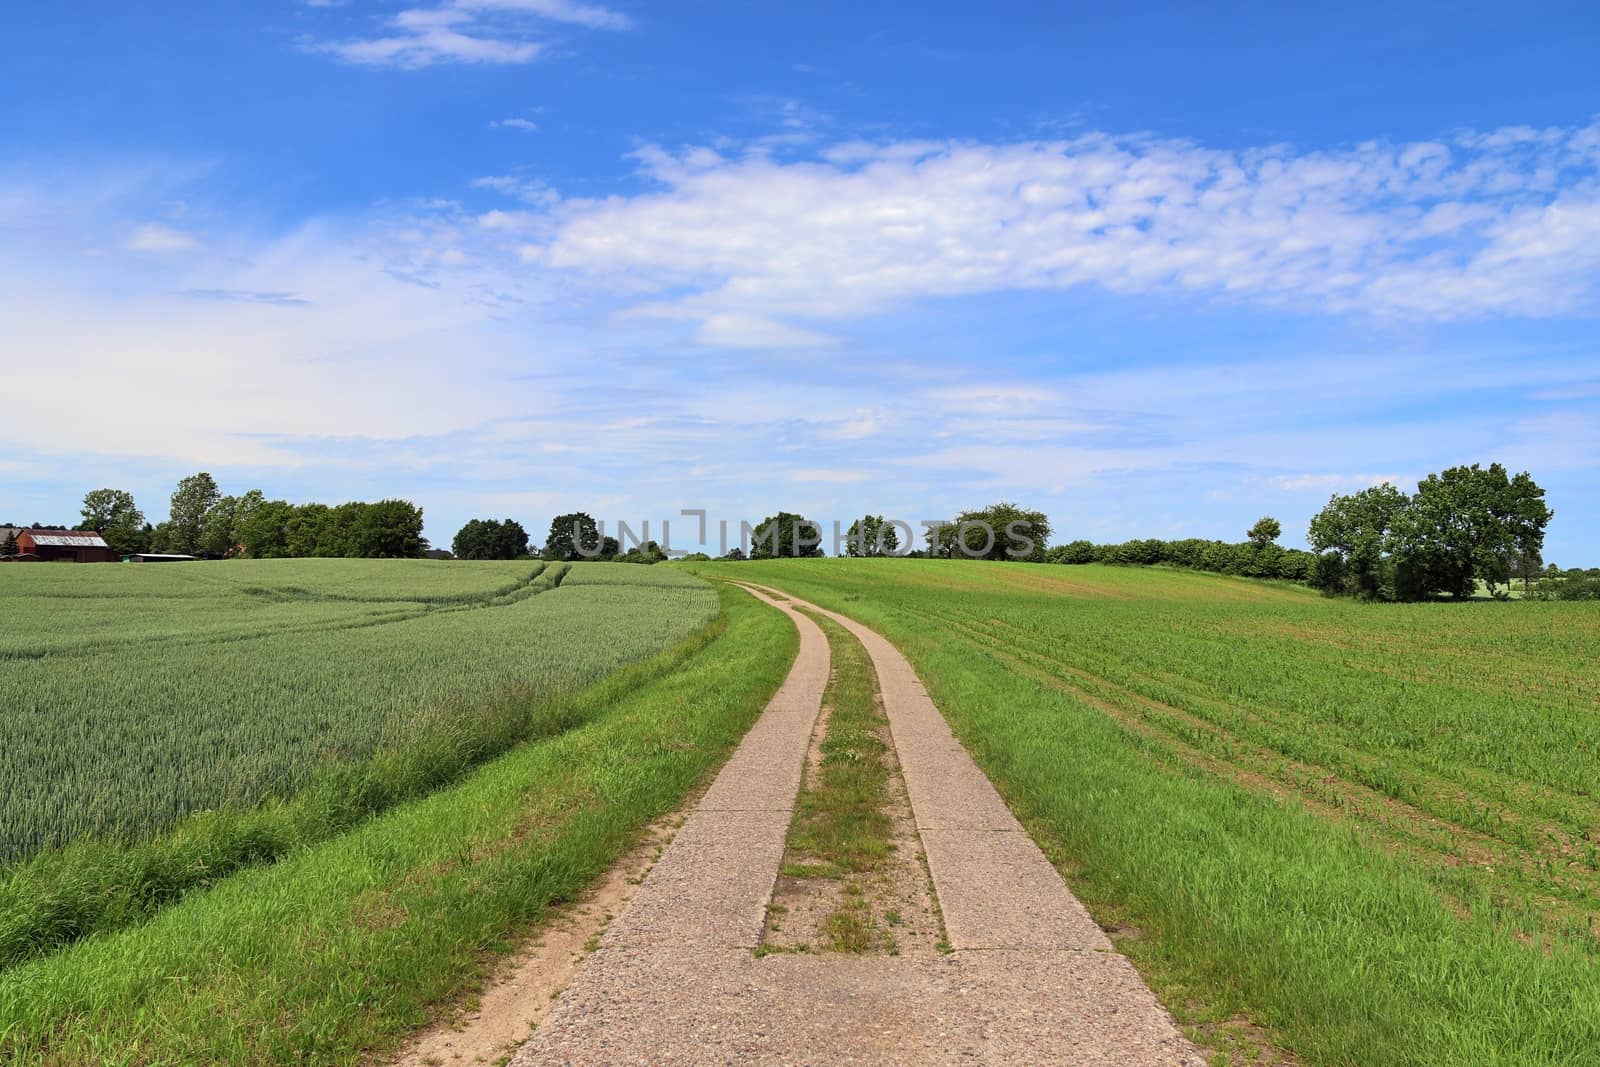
468	31
1500	223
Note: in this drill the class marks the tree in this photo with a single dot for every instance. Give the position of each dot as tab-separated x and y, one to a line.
1357	528
870	535
1264	532
570	532
191	501
263	530
116	517
216	532
388	529
1464	524
1467	523
9	547
1074	552
1002	531
647	553
308	532
161	538
786	535
490	539
243	510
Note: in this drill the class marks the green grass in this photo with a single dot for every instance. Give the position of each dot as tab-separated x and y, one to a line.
132	696
338	950
841	825
1369	829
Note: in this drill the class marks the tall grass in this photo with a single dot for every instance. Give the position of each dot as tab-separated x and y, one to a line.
1366	828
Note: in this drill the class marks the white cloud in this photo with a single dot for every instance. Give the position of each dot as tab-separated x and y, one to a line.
160	239
530	191
524	125
590	15
412	351
754	331
828	475
1506	223
468	31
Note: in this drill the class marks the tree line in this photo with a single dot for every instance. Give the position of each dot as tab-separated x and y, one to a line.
203	522
1463	526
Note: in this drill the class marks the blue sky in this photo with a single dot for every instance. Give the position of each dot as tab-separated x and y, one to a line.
1154	270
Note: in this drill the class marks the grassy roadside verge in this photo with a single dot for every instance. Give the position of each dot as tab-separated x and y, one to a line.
841	826
1247	903
342	948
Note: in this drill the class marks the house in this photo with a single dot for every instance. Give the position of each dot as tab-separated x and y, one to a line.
64	546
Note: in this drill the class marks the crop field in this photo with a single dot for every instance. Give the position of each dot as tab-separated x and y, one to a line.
134	695
344	945
1372	831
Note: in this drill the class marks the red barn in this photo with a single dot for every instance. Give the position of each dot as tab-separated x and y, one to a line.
65	546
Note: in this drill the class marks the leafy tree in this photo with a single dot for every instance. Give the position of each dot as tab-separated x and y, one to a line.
1002	531
647	553
1357	527
1467	523
871	535
786	535
568	532
1295	564
1574	584
491	539
116	517
1463	524
388	529
243	509
263	529
191	501
308	532
1265	531
735	553
216	532
1074	552
162	538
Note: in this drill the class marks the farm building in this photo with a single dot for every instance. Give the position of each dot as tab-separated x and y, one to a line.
64	546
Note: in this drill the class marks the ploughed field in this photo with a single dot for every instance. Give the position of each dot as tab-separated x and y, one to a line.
1371	830
134	695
